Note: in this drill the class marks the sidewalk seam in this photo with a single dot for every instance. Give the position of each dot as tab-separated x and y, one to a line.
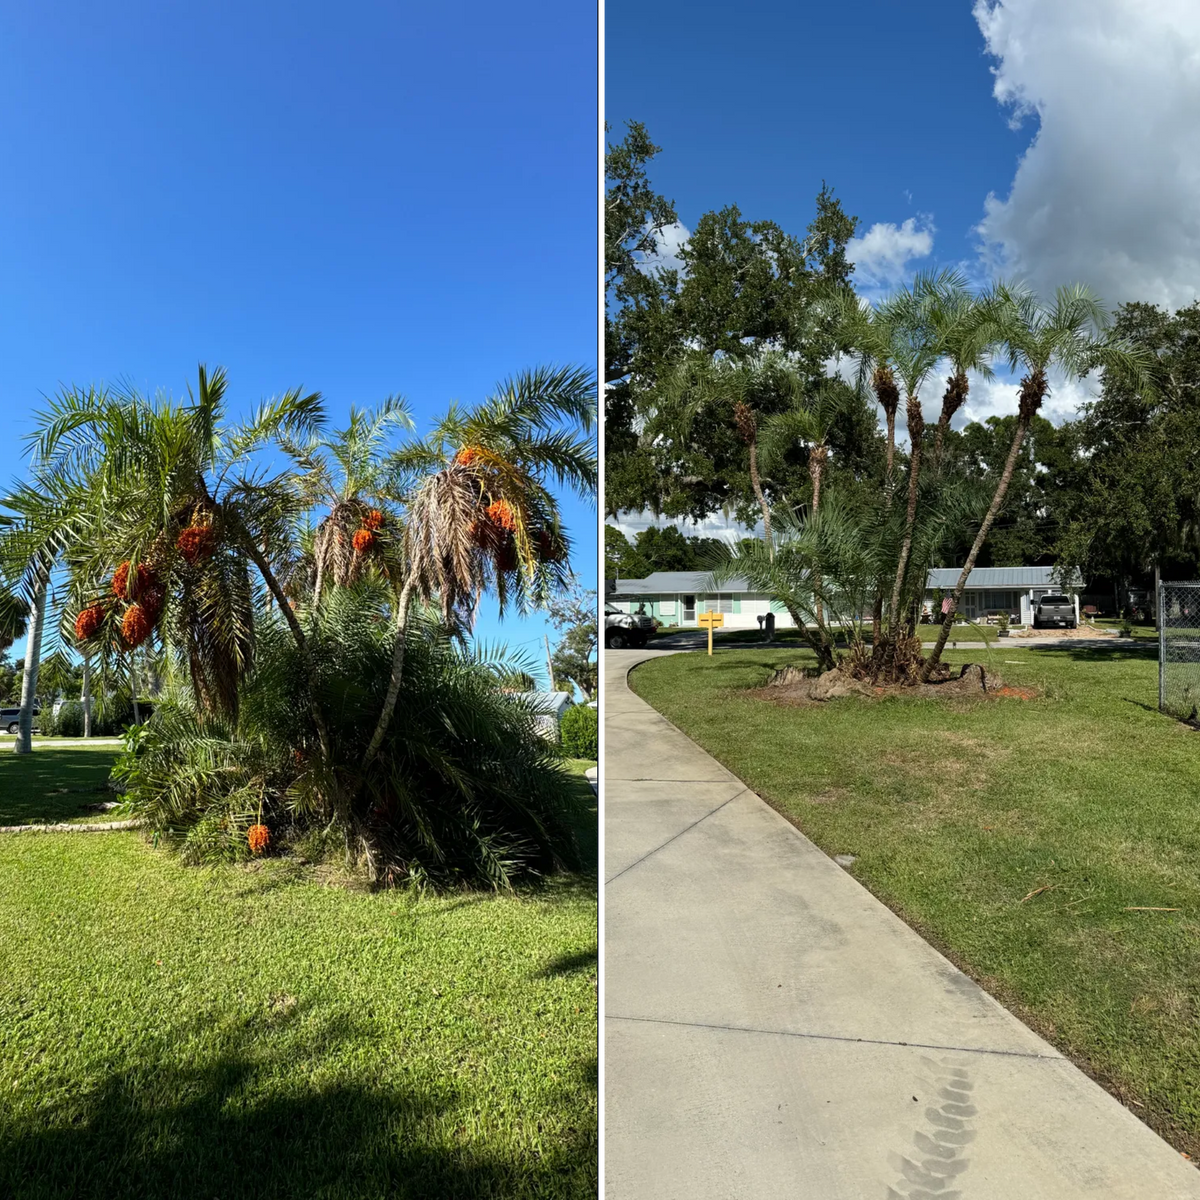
674	837
836	1037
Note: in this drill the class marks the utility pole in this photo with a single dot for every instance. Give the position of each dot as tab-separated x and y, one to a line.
549	662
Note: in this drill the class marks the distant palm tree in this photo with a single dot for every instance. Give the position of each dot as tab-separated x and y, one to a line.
809	421
1069	335
701	383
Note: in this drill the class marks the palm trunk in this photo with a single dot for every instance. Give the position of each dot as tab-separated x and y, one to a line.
756	484
817	641
317	586
891	453
133	690
954	397
403	607
816	464
87	696
1033	390
268	576
916	431
33	657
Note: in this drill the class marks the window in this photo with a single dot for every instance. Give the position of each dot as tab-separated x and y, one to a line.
667	608
722	604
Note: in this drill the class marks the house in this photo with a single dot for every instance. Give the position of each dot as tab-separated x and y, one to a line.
994	590
550	707
675	597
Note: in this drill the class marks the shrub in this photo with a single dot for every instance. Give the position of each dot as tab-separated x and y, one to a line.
580	732
69	722
464	791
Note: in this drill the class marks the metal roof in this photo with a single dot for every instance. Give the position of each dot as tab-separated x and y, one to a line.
684	582
1001	577
701	583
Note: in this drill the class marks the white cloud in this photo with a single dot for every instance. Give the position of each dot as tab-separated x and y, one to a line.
998	398
1108	193
715	526
881	256
668	242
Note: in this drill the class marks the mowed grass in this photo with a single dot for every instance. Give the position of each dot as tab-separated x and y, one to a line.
54	784
1018	835
262	1031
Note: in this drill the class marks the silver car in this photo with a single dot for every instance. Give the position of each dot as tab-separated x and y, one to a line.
10	718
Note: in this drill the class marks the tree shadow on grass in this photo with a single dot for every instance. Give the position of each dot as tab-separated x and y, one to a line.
570	964
1145	652
52	784
250	1123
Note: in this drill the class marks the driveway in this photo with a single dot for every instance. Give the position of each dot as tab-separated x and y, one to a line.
772	1030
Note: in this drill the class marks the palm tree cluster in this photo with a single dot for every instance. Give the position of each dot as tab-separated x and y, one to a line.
165	525
866	547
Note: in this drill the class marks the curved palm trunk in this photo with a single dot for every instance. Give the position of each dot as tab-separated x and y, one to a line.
817	640
403	607
916	431
268	576
29	678
133	690
756	484
318	585
1033	391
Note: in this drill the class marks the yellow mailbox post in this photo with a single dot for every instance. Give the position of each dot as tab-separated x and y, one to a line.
713	620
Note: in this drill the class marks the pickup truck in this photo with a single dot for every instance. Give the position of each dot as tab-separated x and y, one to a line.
1054	610
626	630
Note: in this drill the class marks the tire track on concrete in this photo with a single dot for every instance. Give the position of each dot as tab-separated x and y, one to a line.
936	1166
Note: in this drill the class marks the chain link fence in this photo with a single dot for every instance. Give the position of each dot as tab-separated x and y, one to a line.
1179	650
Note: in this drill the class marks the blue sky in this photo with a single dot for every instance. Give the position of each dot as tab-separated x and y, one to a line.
890	103
360	198
1050	140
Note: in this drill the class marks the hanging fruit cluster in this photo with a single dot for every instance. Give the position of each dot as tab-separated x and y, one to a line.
364	540
128	582
468	455
135	626
142	586
196	543
503	514
89	621
259	838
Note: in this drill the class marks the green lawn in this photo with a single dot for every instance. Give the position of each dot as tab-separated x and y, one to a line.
54	784
789	636
263	1032
958	812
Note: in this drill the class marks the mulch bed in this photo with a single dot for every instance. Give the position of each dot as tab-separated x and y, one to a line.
795	687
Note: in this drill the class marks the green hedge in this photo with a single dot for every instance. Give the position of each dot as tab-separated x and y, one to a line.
580	732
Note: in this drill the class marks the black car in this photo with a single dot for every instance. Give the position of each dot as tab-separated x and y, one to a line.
10	718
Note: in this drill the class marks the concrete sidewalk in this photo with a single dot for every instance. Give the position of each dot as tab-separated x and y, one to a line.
772	1030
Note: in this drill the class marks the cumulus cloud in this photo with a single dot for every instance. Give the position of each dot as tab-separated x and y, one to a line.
998	398
668	242
882	255
715	526
1107	192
